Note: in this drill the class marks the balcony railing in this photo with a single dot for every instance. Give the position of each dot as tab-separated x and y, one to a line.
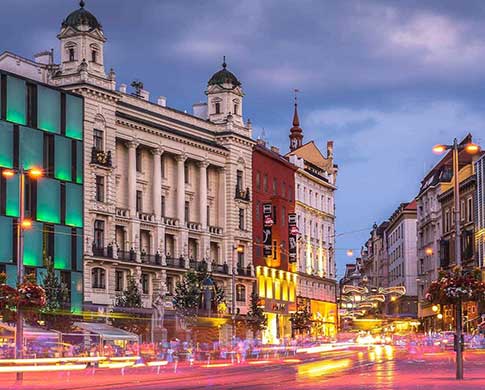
102	251
242	194
100	157
147	217
220	268
216	230
124	213
127	255
244	271
194	226
155	259
170	221
175	262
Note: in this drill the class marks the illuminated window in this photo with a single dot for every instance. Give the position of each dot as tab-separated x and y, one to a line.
292	292
48	109
284	290
261	286
62	158
74	117
49	201
16	100
277	289
240	293
269	288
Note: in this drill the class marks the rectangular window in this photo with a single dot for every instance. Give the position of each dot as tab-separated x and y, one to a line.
240	293
162	163
208	214
98	234
138	161
145	283
74	198
6	145
241	219
48	109
283	215
139	201
62	158
31	105
469	210
258	210
187	212
265	183
275	215
275	186
99	188
16	100
186	173
239	180
74	117
119	280
163	206
31	148
275	249
98	138
49	201
49	158
258	181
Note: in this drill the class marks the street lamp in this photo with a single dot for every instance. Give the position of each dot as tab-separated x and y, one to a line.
22	225
470	148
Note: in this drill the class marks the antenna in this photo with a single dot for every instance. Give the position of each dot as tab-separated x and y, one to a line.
296	91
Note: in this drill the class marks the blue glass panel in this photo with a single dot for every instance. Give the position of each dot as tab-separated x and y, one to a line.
6	144
31	148
76	292
33	256
12	201
6	246
16	100
62	247
79	162
74	117
48	109
62	159
74	205
11	275
48	200
79	248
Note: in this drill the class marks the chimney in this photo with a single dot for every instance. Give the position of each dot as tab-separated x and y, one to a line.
275	149
329	149
200	110
123	88
45	57
144	94
162	101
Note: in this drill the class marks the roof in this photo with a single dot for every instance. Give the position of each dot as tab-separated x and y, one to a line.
223	76
310	152
411	206
81	17
107	332
275	156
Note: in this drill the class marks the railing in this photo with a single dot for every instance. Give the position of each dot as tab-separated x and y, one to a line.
220	268
194	226
216	230
244	271
103	252
170	221
100	157
175	262
242	194
151	259
127	255
125	213
146	217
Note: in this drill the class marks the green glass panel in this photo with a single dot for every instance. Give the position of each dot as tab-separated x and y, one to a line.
16	100
6	144
11	275
62	158
74	117
79	162
41	273
12	201
6	244
76	292
33	246
31	148
74	205
62	247
48	109
79	249
48	200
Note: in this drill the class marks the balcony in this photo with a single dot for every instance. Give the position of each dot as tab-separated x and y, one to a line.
242	194
216	230
170	221
198	265
127	255
241	271
195	226
100	157
175	263
220	268
146	217
155	259
103	252
123	213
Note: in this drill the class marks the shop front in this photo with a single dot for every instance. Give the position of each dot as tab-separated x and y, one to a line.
279	325
324	318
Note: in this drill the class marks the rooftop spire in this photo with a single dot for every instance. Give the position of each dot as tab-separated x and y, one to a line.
296	120
224	65
82	4
296	133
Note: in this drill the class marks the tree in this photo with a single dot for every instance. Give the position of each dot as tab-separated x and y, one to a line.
131	317
57	299
255	319
301	320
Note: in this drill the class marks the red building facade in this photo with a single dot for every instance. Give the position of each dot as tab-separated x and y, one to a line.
273	186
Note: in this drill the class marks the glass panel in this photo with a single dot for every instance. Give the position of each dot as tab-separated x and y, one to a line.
6	144
33	246
74	117
76	292
12	203
49	201
6	248
31	148
62	247
48	109
16	100
41	273
62	164
79	162
79	249
74	204
11	275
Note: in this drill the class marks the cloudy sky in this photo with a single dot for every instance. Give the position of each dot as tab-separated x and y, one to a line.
385	80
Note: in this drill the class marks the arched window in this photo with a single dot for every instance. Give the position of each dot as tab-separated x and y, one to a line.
94	56
218	108
240	293
98	278
71	54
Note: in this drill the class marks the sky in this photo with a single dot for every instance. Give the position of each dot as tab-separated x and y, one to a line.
386	80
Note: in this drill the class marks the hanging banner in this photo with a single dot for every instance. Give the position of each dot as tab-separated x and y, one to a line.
292	236
267	231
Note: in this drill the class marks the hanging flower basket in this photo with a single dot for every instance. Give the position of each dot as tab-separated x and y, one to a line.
456	285
31	296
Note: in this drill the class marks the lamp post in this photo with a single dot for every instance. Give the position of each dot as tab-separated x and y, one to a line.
472	149
22	224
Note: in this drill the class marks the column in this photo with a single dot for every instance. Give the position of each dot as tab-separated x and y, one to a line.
203	193
132	145
181	188
157	183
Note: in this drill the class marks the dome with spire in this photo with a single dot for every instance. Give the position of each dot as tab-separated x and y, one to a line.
81	19
223	76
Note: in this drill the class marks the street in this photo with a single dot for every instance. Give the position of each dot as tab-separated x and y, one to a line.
375	367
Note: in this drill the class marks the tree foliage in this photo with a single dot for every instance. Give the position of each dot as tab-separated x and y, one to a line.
301	320
131	296
255	319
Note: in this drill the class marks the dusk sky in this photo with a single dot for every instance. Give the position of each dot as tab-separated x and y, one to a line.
386	80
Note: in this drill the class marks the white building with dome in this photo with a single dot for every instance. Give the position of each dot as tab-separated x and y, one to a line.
165	191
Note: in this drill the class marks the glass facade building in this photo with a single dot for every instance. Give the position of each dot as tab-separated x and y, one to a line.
42	127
